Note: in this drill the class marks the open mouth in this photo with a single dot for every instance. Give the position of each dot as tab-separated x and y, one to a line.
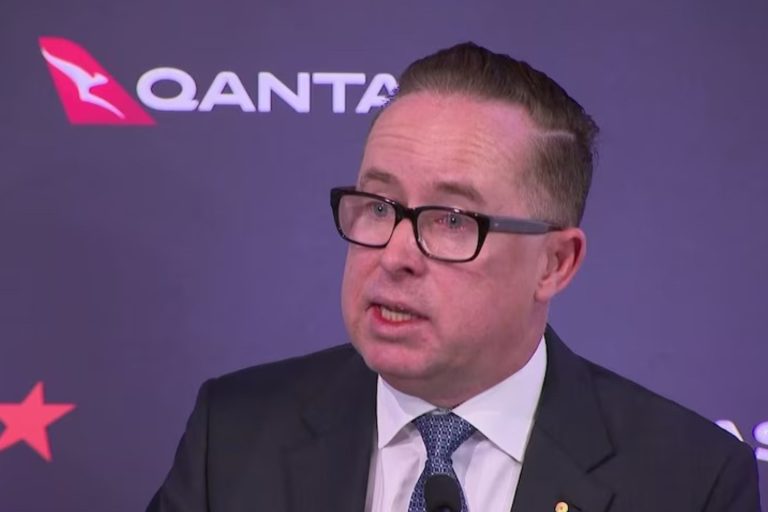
395	314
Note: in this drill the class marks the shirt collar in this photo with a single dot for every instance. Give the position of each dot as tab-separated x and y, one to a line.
503	413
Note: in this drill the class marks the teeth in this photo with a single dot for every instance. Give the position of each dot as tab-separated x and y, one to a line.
395	316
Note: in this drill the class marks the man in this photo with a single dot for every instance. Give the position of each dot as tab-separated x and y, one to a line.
463	226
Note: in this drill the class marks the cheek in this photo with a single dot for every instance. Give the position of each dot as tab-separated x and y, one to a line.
514	263
465	303
498	288
479	306
350	287
354	280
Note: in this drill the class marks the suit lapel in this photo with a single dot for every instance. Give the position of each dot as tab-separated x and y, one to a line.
568	440
329	469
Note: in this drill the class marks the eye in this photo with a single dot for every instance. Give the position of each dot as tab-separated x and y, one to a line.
379	209
452	221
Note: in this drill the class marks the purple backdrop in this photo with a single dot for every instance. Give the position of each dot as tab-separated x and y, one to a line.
136	261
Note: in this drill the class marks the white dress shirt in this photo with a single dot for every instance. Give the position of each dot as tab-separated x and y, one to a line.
487	465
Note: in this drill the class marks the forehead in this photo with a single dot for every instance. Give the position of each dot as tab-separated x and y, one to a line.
448	142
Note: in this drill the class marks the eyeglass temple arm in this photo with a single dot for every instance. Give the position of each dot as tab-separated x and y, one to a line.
519	226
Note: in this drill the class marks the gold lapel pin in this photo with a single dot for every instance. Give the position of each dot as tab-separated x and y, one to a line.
561	507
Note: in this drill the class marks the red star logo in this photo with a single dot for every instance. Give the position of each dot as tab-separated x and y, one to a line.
27	421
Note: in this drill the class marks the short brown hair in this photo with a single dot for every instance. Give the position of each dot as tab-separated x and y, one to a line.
565	152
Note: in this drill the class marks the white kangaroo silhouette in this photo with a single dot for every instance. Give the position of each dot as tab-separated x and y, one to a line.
84	81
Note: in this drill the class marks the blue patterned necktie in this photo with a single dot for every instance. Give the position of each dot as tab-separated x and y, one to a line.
442	434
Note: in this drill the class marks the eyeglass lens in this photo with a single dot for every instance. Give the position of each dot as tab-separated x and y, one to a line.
442	232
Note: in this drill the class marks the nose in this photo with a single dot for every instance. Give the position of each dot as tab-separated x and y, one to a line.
402	255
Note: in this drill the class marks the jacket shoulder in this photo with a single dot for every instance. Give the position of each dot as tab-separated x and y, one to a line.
663	433
633	406
297	377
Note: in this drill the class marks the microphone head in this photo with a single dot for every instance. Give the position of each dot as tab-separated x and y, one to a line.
442	493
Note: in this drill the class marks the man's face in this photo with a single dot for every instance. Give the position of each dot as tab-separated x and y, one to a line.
432	328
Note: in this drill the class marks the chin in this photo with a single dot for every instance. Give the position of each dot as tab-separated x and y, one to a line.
394	361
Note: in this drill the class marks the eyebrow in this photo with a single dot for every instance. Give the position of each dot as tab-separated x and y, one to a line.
374	174
464	190
453	188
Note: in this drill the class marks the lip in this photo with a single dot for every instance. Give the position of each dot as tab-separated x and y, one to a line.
399	306
387	329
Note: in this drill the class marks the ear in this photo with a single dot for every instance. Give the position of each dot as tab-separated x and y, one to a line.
563	253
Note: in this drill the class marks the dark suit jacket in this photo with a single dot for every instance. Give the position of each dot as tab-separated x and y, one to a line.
297	435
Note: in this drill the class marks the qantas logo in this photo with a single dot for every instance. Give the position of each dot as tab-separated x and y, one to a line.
90	95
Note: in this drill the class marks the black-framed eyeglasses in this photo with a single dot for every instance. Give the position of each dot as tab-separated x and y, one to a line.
443	233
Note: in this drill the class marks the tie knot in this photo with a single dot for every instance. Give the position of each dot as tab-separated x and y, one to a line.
442	434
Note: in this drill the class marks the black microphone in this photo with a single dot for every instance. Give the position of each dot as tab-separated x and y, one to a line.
442	493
